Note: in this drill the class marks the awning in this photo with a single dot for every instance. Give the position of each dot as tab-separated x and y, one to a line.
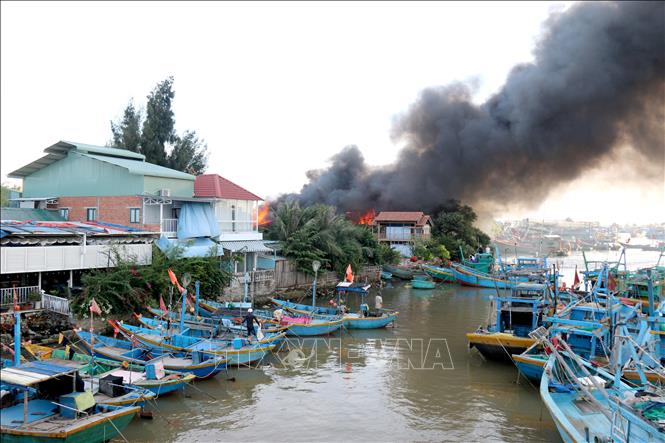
34	372
245	246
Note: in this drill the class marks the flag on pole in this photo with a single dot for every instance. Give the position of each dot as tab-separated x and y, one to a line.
577	282
174	280
611	282
94	307
162	305
16	306
349	274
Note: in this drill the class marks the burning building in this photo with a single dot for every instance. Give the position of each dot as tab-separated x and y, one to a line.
401	230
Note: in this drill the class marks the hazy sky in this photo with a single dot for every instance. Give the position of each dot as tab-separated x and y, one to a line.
275	89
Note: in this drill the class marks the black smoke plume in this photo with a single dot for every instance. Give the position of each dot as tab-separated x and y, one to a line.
596	86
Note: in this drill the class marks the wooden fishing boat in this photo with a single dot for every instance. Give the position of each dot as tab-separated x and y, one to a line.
238	351
65	416
201	366
302	325
442	274
152	377
516	316
399	272
588	403
470	277
422	284
356	320
385	275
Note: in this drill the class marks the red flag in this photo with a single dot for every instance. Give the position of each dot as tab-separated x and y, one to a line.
174	280
611	282
576	282
94	307
162	305
349	274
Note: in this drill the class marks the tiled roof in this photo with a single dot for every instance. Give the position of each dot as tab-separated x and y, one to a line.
390	216
212	185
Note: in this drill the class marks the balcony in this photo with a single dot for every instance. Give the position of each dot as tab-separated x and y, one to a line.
169	227
403	236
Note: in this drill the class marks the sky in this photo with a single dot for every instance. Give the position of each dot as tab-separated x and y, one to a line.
275	89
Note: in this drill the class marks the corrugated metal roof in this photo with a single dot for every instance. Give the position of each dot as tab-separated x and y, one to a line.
59	150
214	185
23	214
142	168
245	246
33	372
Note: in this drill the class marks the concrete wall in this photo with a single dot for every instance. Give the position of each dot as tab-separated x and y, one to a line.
178	187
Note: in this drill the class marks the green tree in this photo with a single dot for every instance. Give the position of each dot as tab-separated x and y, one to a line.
5	192
126	133
189	154
453	228
159	123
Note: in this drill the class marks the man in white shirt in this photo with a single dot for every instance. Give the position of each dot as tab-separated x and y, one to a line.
378	302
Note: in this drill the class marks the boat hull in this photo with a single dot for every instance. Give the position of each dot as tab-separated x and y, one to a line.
104	428
469	277
440	273
498	346
310	330
350	322
370	322
422	284
531	368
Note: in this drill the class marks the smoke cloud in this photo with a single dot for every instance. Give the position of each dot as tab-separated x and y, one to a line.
597	85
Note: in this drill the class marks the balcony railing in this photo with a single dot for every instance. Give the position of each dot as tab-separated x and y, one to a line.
402	236
22	294
169	226
55	304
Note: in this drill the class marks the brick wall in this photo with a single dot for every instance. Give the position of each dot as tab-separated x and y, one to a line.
109	209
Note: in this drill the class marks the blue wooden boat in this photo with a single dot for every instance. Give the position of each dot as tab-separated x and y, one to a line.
201	366
516	315
238	351
403	273
358	320
59	419
422	284
385	275
439	273
302	325
153	377
470	277
588	404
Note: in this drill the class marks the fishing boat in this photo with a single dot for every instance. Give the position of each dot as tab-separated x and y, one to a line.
302	325
470	277
439	273
364	318
385	275
515	316
399	272
481	262
422	284
151	377
52	410
589	404
201	366
238	351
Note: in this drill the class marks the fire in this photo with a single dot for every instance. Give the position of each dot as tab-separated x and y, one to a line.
263	214
367	218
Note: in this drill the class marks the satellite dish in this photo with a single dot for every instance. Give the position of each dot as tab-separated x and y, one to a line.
186	279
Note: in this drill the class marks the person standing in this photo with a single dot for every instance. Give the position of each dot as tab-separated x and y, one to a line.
378	302
249	320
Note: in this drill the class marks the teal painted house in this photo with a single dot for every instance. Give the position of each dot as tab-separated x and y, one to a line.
88	183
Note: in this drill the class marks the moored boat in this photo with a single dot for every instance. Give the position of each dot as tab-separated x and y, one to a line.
399	272
440	273
422	284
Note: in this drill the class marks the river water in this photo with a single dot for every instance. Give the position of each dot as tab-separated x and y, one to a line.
414	382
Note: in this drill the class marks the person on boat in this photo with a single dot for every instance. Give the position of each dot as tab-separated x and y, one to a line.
249	320
378	302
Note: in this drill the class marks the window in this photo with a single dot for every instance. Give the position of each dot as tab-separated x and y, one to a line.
91	214
134	215
64	213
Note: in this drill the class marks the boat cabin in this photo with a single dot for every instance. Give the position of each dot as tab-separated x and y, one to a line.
523	311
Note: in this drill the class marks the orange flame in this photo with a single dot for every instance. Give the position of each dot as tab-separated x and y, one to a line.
263	214
367	218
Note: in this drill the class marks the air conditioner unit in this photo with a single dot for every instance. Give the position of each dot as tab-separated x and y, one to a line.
165	192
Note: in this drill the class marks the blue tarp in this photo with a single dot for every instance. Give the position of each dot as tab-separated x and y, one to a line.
194	247
197	220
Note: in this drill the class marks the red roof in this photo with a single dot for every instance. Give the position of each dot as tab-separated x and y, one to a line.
418	218
215	186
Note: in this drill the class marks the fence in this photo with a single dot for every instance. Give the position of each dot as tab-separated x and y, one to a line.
170	226
22	294
55	304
